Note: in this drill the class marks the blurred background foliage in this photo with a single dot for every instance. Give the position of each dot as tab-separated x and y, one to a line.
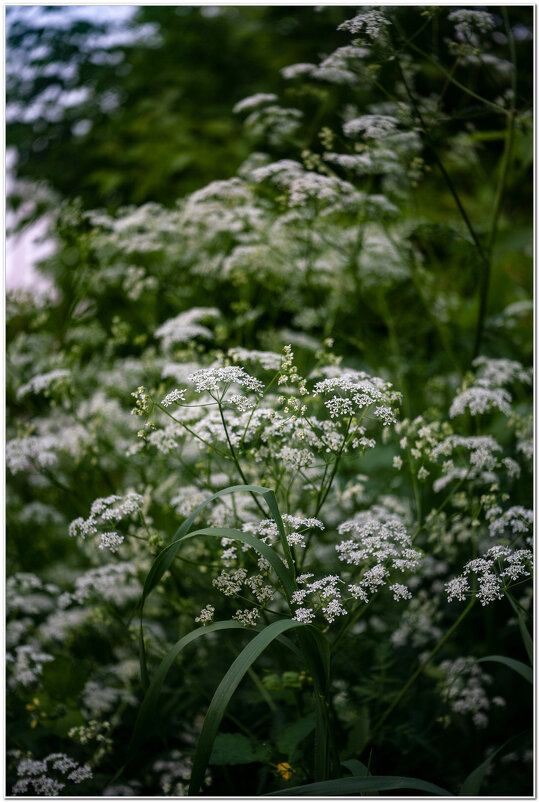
137	109
105	113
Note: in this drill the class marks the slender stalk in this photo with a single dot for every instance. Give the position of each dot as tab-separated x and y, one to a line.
334	471
502	182
237	462
188	429
420	670
351	619
453	80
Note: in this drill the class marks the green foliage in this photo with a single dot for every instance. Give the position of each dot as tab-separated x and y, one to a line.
270	441
234	749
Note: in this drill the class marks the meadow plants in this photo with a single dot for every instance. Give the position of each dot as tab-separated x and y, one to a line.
272	448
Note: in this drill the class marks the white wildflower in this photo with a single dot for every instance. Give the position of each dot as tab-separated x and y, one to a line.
371	23
186	326
254	102
173	397
400	592
206	615
479	400
247	617
42	382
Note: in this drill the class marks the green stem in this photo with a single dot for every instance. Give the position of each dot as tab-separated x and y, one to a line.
504	172
420	670
334	471
236	461
453	80
188	429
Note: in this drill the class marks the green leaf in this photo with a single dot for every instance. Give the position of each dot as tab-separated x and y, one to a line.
224	693
62	725
315	647
165	558
356	767
64	678
348	786
234	749
292	735
526	637
472	783
516	665
266	551
149	706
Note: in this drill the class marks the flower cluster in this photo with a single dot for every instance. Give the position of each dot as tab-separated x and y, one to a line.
464	688
489	576
38	776
104	512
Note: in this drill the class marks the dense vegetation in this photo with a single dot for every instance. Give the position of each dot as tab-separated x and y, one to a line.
270	444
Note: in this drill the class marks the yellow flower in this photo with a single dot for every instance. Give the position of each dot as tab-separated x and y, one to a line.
285	770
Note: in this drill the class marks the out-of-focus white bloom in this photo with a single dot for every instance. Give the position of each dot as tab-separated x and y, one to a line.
27	662
186	326
371	23
42	382
479	400
464	688
517	520
253	102
266	359
499	372
467	22
370	126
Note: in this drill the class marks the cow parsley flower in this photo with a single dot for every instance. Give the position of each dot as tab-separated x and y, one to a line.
206	615
43	381
217	381
254	102
517	520
467	22
370	126
371	23
464	688
400	592
494	573
34	775
186	326
324	595
247	617
266	359
25	665
479	400
103	512
493	373
173	397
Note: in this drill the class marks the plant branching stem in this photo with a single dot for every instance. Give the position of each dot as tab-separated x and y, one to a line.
237	462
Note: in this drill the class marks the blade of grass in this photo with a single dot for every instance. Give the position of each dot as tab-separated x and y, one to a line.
149	704
472	783
521	668
224	693
526	637
348	786
165	558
